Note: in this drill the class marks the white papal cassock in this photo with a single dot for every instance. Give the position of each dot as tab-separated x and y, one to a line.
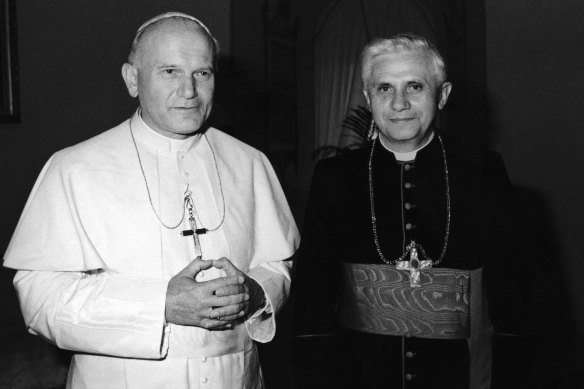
94	262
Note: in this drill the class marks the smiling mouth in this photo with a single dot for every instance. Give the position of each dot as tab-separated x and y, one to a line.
398	120
195	107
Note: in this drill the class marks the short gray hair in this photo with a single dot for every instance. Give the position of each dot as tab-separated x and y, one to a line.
175	17
396	43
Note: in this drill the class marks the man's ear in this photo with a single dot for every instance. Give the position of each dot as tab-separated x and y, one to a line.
443	94
130	76
367	98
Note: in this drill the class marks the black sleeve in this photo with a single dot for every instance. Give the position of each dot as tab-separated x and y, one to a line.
316	269
314	286
501	270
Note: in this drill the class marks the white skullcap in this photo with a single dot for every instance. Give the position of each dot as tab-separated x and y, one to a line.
168	15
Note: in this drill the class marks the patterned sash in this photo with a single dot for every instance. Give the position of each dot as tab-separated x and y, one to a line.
378	299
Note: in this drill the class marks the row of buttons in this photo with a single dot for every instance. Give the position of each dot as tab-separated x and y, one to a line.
204	380
408	205
409	355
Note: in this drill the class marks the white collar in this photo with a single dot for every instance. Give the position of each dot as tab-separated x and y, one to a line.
409	155
146	135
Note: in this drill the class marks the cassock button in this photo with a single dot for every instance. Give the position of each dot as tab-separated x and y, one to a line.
407	167
410	354
409	377
408	185
204	359
205	380
409	226
408	206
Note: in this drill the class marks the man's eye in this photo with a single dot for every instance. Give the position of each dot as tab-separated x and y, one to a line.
203	74
384	88
169	72
416	87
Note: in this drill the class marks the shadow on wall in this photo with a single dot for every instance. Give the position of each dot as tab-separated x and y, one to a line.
534	339
26	361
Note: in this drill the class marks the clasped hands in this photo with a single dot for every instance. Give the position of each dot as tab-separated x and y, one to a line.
216	304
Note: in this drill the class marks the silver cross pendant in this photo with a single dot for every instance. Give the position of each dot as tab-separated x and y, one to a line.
414	265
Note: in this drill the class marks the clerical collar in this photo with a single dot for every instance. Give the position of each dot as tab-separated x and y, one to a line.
408	156
145	134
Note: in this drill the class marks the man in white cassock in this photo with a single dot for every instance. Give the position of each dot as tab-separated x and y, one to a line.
157	251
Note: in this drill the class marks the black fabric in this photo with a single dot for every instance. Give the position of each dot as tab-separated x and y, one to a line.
338	228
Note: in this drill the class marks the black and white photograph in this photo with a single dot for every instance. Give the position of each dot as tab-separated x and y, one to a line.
291	194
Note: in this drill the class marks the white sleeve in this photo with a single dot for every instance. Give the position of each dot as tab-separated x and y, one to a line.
274	278
99	313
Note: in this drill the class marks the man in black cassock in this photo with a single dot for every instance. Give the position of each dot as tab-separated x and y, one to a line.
389	280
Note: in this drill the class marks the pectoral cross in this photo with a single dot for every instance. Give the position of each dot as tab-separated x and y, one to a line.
194	231
414	265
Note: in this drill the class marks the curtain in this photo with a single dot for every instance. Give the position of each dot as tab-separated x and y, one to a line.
337	44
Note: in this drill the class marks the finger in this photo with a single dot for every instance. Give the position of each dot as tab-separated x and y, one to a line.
226	265
222	328
232	318
224	301
214	324
230	289
218	283
227	313
195	266
236	317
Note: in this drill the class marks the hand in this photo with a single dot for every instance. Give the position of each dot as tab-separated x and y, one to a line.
257	297
193	303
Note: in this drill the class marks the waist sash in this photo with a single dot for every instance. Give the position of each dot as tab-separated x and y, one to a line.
378	299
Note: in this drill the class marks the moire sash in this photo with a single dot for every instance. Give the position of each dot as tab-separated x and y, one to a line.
378	299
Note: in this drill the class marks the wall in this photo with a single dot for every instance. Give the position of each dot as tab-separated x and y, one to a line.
535	94
536	91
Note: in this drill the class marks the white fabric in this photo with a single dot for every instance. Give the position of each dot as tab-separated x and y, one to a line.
95	262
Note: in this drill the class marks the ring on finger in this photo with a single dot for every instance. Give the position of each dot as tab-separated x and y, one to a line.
210	312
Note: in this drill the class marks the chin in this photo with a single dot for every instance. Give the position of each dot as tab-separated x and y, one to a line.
404	136
189	126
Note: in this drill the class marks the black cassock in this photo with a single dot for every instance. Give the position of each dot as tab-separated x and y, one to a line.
410	204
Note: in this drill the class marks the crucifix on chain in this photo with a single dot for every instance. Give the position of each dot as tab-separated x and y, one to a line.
194	231
414	265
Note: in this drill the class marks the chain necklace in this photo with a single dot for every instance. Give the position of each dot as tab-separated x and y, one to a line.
188	202
414	264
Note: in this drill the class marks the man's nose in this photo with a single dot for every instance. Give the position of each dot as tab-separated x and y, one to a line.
400	101
188	87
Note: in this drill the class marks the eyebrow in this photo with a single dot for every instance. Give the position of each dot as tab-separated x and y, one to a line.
173	65
408	82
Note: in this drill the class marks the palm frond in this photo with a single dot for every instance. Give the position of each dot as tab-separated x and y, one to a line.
357	122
